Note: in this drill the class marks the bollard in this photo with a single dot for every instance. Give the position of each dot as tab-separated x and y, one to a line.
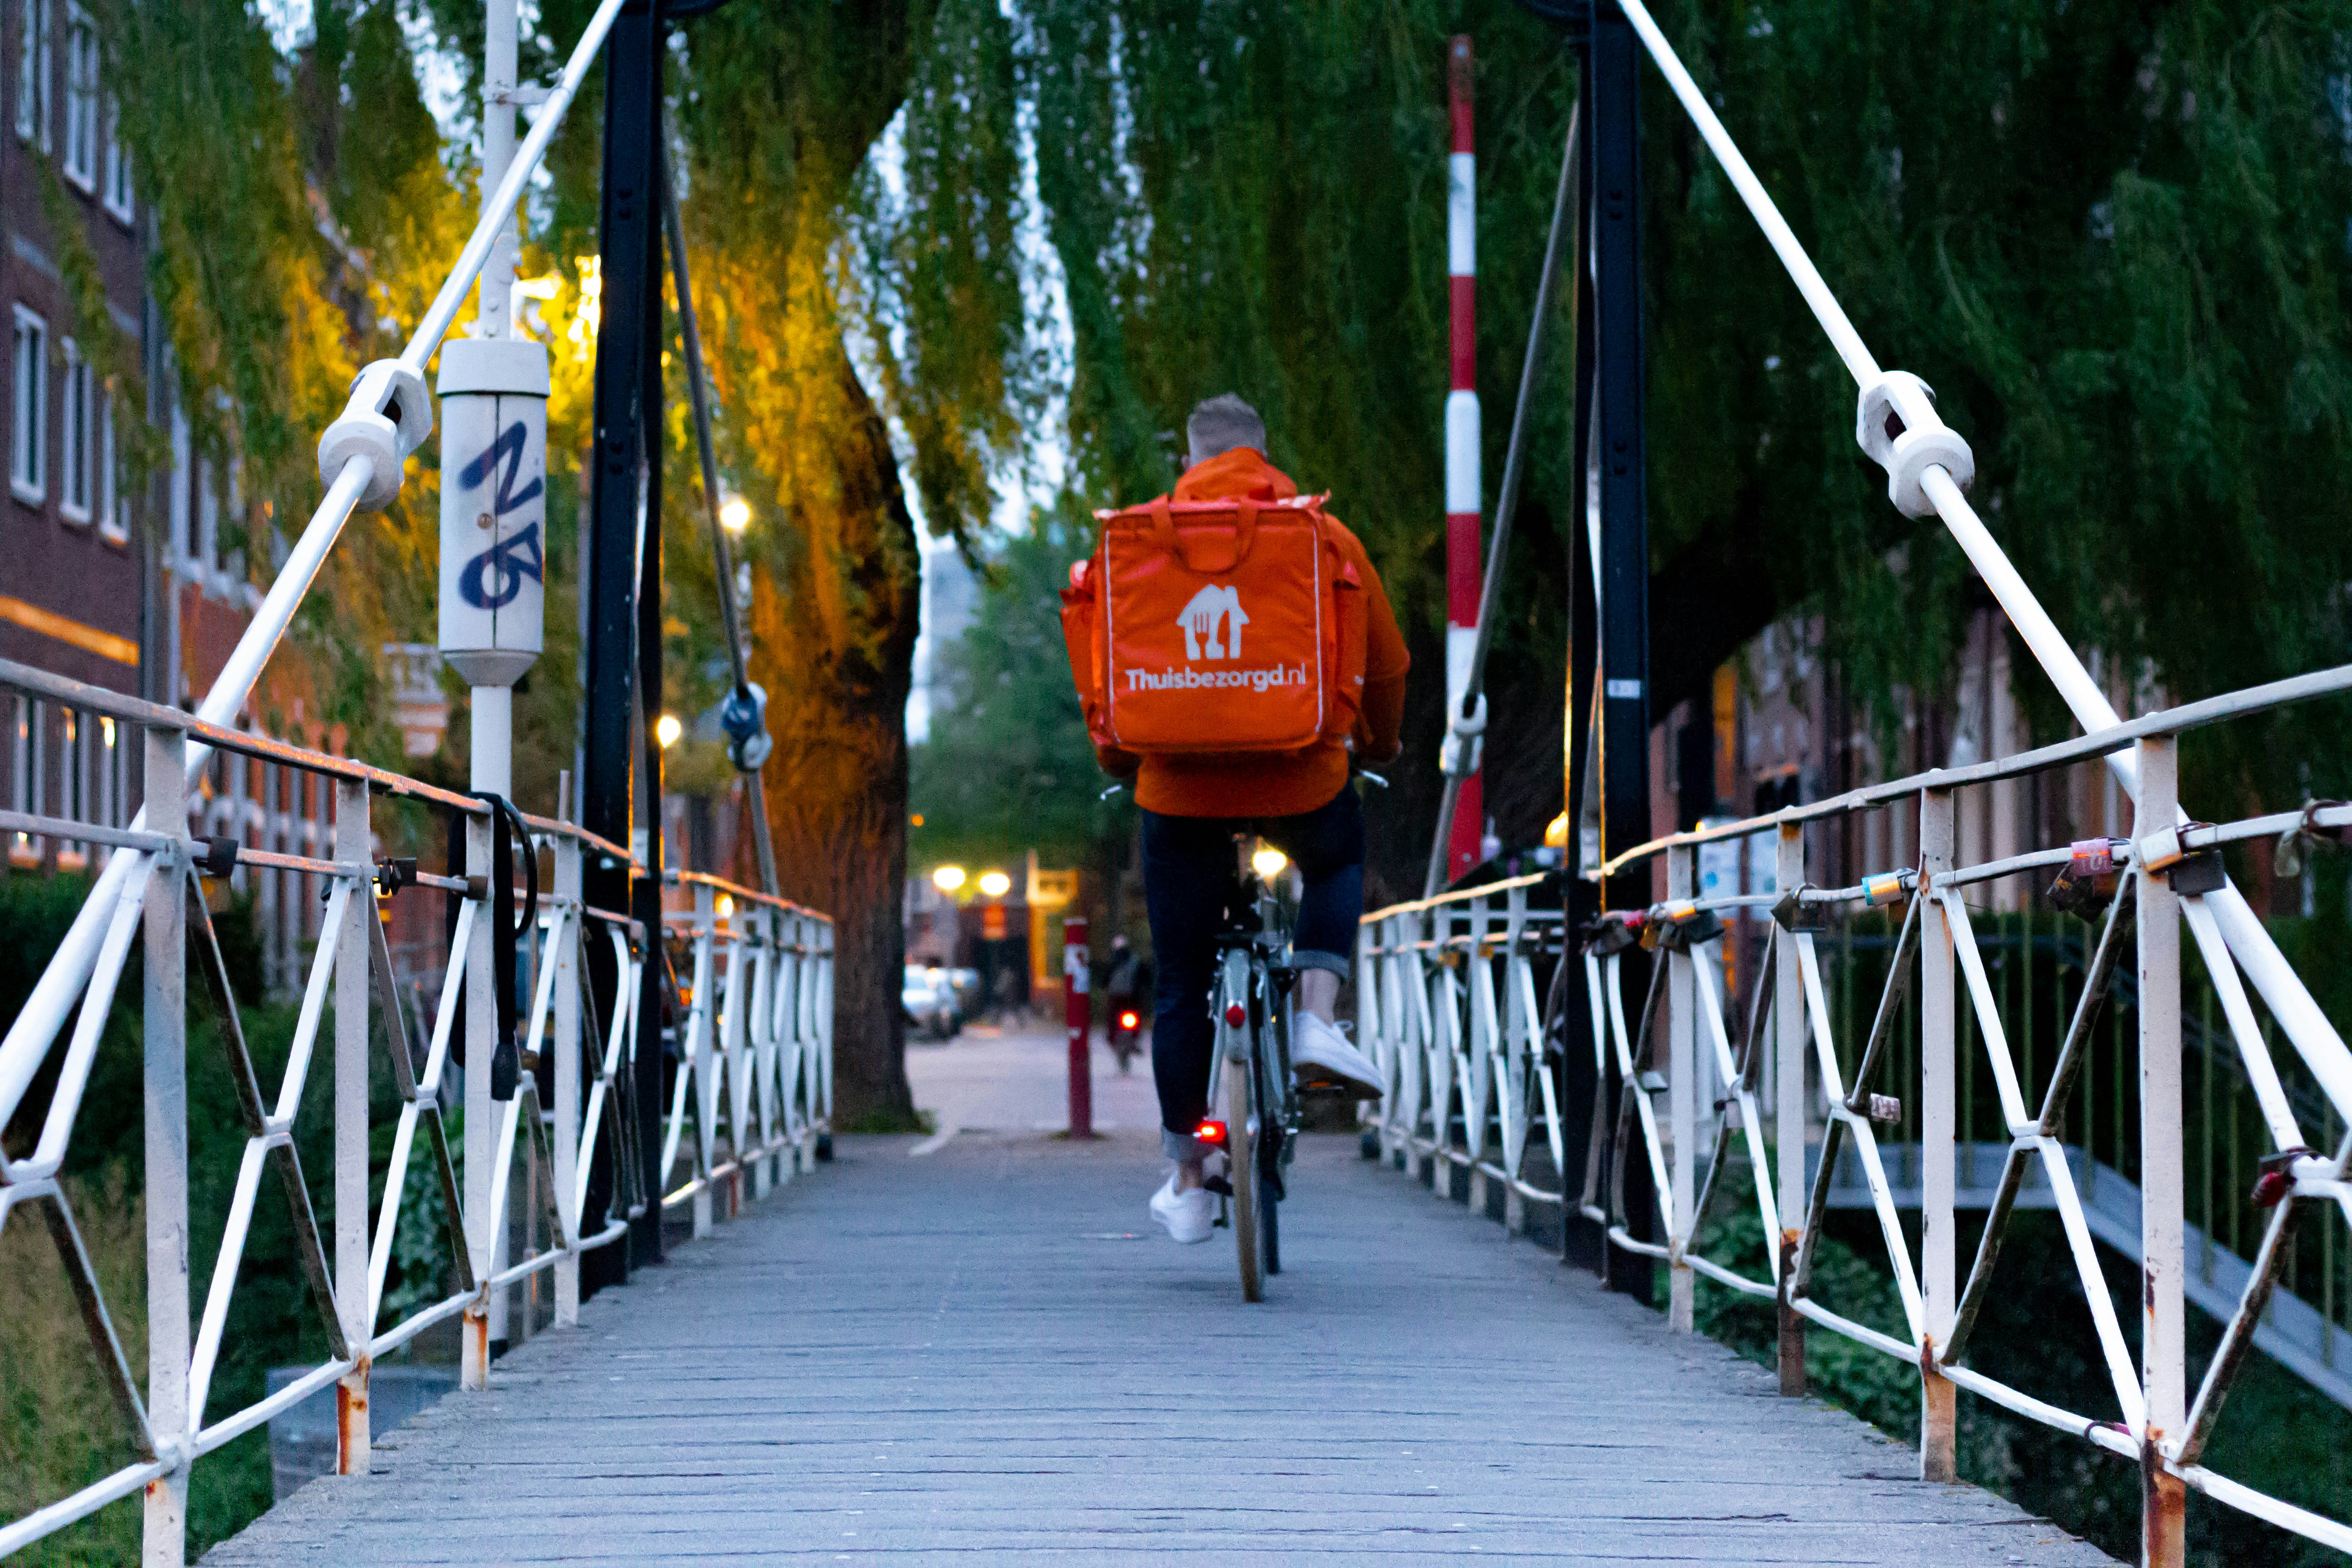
1078	1008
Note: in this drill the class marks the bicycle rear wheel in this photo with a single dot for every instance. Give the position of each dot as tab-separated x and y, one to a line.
1241	1150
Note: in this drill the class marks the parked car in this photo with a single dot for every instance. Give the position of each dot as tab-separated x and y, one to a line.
931	1004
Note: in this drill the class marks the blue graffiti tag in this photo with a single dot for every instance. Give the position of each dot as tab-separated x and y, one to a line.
510	561
510	446
506	564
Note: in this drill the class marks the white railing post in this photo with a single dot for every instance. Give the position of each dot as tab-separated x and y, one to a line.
763	1019
740	940
1939	1135
1788	1110
564	1041
1473	1067
1681	1099
481	1025
824	1035
166	1029
701	1057
1400	975
353	947
1444	1041
1517	1060
2163	1329
791	978
1370	1036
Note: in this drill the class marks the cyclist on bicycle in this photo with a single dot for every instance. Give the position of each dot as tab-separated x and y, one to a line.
1299	802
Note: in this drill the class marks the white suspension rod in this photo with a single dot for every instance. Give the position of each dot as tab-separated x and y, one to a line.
443	311
2305	1026
36	1026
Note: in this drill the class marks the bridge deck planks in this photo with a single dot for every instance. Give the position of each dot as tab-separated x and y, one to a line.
901	1359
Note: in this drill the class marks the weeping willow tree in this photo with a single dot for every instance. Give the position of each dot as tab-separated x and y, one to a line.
2114	238
2112	235
779	110
288	250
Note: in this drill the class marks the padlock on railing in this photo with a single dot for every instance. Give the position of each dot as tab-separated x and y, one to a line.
2277	1179
1613	933
1888	887
2087	884
1684	924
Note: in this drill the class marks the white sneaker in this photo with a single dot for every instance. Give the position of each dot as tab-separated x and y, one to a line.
1189	1216
1320	1053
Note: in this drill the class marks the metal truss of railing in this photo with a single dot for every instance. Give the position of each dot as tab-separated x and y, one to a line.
1426	986
360	458
757	1032
774	1030
1445	1002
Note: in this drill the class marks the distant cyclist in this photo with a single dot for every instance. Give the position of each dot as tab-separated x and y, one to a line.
1299	801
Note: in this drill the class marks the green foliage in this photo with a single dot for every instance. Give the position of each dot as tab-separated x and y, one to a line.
2112	235
301	217
1008	767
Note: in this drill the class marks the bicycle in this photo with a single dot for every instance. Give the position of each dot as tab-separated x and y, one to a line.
1259	1132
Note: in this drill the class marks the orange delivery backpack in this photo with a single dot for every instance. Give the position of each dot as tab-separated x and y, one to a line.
1200	628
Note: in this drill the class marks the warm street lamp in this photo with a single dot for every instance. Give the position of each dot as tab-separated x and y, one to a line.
995	884
948	878
1269	862
667	730
735	514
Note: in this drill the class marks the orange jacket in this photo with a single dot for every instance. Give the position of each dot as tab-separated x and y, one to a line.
1277	783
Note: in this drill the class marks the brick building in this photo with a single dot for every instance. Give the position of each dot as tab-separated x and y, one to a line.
77	590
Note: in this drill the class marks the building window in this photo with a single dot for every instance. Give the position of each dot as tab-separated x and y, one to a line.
33	73
110	775
75	408
113	495
181	545
28	775
207	556
117	188
73	781
81	99
29	476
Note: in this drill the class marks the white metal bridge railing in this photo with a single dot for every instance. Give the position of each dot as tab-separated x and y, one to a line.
1446	1032
756	1022
1446	998
754	1047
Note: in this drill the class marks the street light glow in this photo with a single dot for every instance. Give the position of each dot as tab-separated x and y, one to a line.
1269	861
735	514
995	884
948	878
667	730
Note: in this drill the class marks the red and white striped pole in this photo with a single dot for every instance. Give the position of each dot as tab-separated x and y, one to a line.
1464	501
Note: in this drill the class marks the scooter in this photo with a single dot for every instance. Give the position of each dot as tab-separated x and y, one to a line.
1125	1035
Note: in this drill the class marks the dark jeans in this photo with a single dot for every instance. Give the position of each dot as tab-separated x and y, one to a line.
1188	863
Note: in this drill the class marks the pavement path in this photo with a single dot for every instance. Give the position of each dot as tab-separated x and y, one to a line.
989	1351
1017	1080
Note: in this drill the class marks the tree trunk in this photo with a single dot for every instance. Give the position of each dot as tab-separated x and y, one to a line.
834	648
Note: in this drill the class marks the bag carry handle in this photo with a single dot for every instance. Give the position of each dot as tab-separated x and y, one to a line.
1164	535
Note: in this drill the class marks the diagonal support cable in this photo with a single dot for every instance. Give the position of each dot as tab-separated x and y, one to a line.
698	389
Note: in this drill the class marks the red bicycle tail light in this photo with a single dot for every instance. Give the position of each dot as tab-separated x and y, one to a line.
1211	1133
1128	1020
1236	1015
